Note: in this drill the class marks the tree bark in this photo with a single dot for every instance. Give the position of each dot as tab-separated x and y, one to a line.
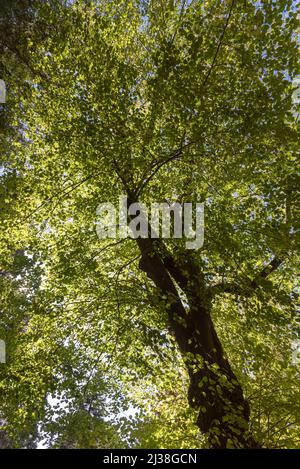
214	389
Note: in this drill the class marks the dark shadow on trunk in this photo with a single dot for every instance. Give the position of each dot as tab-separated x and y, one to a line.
214	389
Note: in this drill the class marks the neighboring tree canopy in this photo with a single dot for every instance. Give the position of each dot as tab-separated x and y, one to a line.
142	342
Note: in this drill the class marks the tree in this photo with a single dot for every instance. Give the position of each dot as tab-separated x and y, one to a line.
186	101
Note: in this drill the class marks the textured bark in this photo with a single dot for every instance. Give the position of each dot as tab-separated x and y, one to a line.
214	389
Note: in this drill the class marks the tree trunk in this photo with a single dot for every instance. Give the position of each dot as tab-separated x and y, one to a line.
214	389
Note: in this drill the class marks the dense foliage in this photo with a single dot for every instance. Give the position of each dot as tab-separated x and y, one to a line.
139	343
